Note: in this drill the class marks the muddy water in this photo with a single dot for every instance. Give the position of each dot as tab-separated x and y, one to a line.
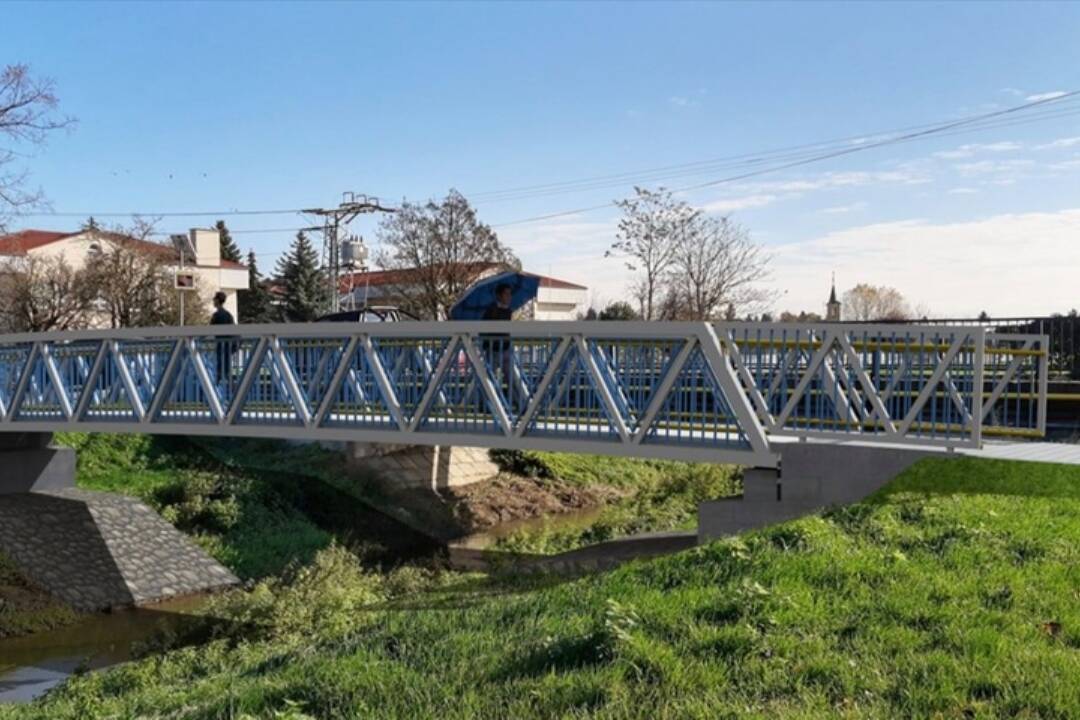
565	521
473	552
33	664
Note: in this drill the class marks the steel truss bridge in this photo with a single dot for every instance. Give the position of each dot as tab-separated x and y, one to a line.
720	392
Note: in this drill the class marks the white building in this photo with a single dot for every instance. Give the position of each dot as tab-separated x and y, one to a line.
555	300
211	272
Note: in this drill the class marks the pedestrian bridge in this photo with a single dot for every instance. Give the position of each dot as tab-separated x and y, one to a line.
717	392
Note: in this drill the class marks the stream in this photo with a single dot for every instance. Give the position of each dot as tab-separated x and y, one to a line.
31	665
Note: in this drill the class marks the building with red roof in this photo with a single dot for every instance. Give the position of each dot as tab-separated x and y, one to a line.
200	255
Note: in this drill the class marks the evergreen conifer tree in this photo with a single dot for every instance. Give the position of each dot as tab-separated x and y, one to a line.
255	303
229	250
306	294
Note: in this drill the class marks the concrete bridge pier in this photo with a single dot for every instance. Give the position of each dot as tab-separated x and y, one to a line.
28	463
812	476
91	550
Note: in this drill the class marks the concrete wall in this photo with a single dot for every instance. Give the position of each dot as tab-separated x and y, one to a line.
812	476
36	469
411	466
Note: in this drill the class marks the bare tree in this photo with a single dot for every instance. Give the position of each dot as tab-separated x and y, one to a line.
134	282
867	303
45	293
716	265
441	248
803	317
28	113
652	222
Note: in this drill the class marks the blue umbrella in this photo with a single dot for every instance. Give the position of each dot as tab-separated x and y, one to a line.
481	294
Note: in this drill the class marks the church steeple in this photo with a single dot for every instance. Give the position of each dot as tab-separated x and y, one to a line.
832	308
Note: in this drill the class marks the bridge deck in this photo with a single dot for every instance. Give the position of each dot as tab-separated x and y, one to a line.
1061	453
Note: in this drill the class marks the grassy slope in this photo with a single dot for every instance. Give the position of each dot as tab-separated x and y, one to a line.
24	609
248	524
956	593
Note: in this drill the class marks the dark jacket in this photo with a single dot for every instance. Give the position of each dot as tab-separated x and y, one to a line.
222	316
494	312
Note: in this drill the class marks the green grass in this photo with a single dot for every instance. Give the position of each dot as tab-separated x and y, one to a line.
955	593
243	519
25	609
587	470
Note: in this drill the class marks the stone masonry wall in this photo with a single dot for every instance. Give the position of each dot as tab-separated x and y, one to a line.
98	550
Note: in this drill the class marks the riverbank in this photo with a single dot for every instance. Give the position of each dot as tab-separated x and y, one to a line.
951	593
26	609
646	497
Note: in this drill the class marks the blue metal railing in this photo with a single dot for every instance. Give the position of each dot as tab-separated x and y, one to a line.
681	390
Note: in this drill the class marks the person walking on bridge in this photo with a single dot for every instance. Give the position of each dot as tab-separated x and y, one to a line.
497	345
224	352
500	309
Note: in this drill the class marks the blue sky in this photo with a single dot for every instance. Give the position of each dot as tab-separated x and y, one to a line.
252	106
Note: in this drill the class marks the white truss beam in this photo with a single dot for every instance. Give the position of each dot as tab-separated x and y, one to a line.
749	372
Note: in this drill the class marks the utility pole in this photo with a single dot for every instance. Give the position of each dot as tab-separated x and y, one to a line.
352	206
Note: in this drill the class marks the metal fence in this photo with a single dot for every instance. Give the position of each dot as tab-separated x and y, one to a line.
1062	332
909	384
691	391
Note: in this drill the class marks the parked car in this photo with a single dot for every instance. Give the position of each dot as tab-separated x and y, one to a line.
371	313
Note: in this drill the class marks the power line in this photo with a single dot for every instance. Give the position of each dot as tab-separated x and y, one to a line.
254	231
217	213
973	124
929	130
757	161
787	157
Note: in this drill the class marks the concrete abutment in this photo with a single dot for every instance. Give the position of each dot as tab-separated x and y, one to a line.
92	550
811	477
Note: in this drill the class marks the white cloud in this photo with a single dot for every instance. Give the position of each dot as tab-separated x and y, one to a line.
1065	164
962	191
845	179
843	209
571	248
682	101
1060	143
986	167
1046	96
971	149
955	269
727	205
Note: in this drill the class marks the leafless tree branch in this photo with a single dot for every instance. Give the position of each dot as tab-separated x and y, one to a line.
28	114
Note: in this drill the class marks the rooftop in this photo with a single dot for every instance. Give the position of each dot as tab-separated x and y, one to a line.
18	244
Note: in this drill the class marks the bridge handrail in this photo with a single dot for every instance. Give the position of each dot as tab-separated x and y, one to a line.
542	328
689	390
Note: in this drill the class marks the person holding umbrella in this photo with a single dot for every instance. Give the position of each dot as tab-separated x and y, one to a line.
497	345
500	308
497	298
